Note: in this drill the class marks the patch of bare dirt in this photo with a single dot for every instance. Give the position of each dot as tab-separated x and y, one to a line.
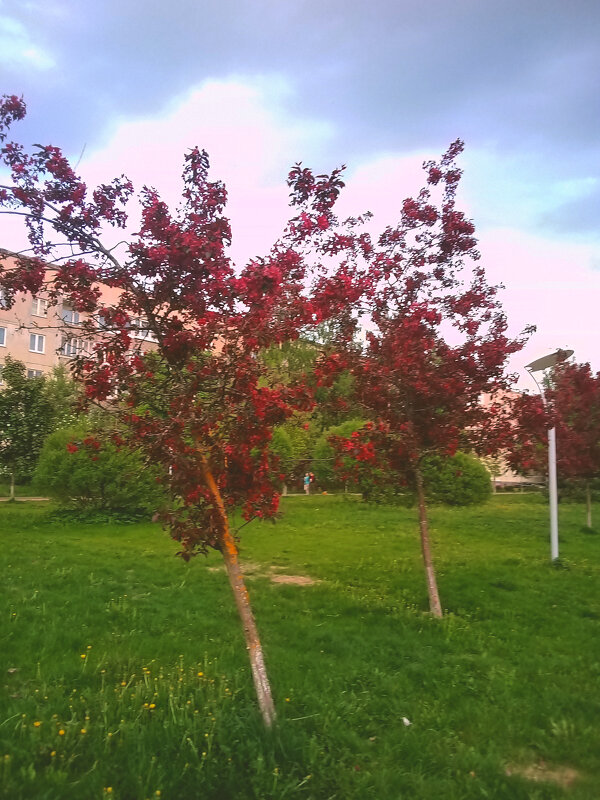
252	570
542	772
294	580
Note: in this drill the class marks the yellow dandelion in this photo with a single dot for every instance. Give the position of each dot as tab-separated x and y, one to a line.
83	655
83	730
89	647
123	683
108	789
61	732
53	753
287	699
152	705
36	724
200	674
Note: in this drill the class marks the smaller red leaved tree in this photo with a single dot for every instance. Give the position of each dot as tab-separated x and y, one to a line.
195	400
572	407
438	342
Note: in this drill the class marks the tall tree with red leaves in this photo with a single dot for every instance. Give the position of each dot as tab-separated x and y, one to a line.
572	407
196	401
438	341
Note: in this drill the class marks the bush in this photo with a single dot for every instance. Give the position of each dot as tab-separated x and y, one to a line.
85	470
461	480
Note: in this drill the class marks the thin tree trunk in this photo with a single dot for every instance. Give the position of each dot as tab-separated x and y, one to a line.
12	486
588	502
229	552
434	599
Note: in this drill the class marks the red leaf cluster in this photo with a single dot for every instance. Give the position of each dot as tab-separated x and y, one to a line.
195	400
573	408
438	337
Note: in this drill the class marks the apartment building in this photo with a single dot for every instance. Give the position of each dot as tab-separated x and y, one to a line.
44	336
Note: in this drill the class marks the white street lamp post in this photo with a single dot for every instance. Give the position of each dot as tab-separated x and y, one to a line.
542	364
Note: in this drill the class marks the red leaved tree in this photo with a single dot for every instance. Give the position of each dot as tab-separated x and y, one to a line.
194	400
573	407
438	342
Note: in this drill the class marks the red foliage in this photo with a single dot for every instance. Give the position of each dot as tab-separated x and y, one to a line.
439	336
195	402
573	408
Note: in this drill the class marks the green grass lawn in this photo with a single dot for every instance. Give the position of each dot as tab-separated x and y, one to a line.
124	673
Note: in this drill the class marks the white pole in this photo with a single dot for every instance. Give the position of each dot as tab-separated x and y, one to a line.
552	485
552	490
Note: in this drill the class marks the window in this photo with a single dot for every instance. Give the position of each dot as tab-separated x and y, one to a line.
3	303
39	307
2	337
37	343
140	329
72	347
34	373
69	315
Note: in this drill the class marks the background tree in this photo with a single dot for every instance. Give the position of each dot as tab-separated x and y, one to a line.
65	397
200	407
573	407
27	415
328	475
438	341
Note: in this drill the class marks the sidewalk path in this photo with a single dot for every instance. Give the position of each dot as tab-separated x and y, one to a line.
23	499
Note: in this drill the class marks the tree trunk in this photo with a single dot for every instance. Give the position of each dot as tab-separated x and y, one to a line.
588	503
12	487
434	599
229	552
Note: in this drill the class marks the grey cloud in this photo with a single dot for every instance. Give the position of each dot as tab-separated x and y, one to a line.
394	74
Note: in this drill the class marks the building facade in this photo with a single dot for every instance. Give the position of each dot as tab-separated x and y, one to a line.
44	336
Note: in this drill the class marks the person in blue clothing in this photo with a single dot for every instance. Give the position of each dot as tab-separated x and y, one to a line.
307	484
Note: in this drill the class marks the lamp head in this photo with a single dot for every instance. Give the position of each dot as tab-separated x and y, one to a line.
549	361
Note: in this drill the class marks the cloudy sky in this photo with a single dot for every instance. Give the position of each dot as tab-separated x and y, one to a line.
128	85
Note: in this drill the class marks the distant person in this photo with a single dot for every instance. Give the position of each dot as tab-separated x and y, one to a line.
307	483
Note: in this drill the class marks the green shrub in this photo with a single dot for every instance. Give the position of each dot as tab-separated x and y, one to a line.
85	470
461	480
